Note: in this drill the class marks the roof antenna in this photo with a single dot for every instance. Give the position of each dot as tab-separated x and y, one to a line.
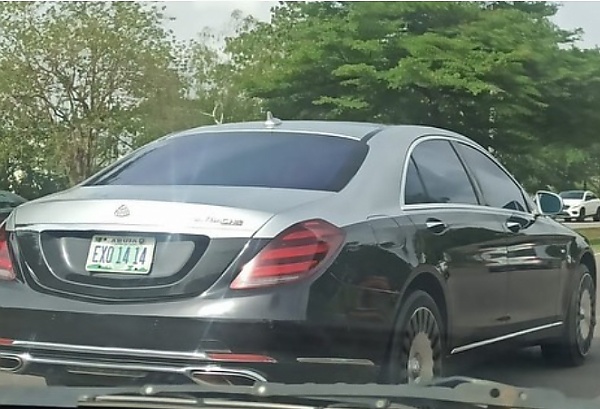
271	121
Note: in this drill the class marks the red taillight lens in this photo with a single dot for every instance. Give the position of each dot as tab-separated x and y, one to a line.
296	253
247	358
6	267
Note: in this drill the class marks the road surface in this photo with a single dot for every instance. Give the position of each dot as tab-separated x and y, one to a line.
524	368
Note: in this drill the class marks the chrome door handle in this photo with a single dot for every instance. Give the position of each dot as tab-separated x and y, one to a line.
513	226
436	226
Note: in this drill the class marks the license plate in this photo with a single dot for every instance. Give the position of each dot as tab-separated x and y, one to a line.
119	254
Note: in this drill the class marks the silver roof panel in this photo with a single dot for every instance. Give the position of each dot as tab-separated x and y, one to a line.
354	130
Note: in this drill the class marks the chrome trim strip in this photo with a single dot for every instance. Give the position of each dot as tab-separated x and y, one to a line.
99	228
104	372
110	350
504	337
88	367
218	370
336	361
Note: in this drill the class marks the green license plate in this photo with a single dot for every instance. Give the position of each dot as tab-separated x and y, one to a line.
120	254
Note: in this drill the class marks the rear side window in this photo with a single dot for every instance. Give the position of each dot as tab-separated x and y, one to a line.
497	187
442	174
269	159
414	191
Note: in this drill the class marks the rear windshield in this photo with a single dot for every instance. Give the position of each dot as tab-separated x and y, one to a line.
261	159
572	194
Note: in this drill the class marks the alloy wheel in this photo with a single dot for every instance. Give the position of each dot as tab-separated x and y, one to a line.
423	346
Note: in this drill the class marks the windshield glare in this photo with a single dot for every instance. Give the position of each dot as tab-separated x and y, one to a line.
225	193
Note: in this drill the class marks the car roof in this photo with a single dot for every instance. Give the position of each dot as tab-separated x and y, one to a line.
346	129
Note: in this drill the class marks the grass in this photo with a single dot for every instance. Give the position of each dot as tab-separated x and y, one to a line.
593	235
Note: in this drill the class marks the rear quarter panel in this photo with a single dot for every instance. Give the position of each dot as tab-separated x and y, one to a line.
579	251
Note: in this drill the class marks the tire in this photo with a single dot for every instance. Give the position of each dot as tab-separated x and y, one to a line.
417	349
597	215
582	215
574	344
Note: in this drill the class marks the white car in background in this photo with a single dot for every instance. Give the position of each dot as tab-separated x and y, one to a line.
580	204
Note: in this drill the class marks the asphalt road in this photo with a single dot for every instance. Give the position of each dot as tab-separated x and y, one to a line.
524	368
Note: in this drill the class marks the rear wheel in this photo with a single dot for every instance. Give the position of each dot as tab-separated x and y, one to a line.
572	347
417	349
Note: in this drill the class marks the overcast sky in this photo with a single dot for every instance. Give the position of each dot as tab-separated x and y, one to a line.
192	16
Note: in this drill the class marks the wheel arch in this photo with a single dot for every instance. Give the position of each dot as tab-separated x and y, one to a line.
428	281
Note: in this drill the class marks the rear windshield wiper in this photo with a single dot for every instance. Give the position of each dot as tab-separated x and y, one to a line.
443	393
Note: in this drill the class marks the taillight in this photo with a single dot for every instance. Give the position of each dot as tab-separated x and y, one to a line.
294	254
6	267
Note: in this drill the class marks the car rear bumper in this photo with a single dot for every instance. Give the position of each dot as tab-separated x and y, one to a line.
140	366
47	333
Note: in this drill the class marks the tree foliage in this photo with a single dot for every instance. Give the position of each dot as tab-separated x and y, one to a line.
499	72
78	71
85	82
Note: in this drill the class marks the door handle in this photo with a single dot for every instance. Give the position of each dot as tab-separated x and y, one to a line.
435	225
513	226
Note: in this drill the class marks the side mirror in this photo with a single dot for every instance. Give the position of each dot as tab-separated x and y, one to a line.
548	203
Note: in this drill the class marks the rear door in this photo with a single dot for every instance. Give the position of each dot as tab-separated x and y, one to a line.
461	240
536	253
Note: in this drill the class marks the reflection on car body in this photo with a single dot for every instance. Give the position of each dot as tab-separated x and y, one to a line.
393	248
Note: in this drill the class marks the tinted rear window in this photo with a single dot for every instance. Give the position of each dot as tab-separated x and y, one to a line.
274	160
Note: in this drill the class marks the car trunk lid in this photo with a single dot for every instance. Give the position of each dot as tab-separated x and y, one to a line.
188	236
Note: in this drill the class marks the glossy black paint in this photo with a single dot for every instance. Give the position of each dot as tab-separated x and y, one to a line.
469	254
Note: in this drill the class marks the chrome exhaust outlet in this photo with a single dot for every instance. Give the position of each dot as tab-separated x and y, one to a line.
225	376
10	363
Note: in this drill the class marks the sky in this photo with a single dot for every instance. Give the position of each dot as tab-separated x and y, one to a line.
192	17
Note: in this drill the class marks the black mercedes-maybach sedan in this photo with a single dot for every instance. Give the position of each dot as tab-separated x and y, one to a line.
290	251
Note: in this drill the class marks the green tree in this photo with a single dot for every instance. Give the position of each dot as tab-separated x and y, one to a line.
499	72
75	74
214	83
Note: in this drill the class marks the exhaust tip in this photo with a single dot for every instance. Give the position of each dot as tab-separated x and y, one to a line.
225	376
10	363
221	379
